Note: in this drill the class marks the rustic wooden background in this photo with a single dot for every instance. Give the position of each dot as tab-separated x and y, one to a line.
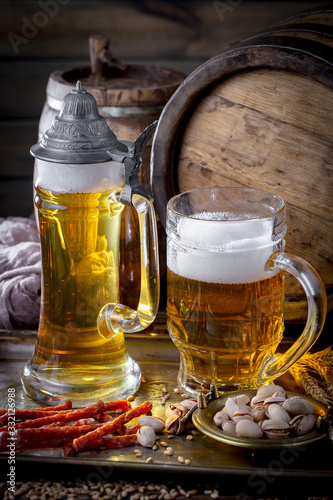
41	36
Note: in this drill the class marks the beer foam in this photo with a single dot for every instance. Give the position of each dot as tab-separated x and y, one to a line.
235	251
71	178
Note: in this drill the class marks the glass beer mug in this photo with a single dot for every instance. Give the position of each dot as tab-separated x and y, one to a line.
225	289
83	179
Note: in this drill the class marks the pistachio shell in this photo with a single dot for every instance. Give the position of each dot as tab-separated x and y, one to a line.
271	424
188	404
256	400
275	429
258	413
302	424
173	424
295	406
175	409
277	433
274	400
244	398
246	428
220	417
146	436
229	427
308	406
156	423
276	412
242	415
231	407
268	390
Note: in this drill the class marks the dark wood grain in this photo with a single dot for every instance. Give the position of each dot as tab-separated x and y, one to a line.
137	28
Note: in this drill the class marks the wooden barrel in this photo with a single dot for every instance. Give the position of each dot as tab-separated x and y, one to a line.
260	115
129	98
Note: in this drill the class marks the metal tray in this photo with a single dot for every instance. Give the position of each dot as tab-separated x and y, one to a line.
159	361
203	419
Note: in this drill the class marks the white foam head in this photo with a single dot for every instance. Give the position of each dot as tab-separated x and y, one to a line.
221	248
86	178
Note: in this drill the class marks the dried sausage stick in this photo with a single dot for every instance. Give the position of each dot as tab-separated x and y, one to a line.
83	421
104	417
109	442
34	412
120	404
123	430
109	427
43	437
69	416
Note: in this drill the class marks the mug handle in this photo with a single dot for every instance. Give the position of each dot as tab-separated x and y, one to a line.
116	318
276	365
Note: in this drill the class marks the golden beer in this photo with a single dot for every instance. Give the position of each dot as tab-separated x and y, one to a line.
224	306
223	331
80	254
225	288
80	237
83	179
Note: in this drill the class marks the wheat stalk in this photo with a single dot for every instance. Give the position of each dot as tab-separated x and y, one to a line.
329	387
321	365
325	357
310	385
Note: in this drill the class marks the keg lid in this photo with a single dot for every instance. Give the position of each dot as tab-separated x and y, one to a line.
79	134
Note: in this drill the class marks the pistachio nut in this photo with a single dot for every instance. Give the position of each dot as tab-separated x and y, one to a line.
244	398
277	412
275	429
269	390
220	417
295	406
229	427
257	400
276	399
146	436
308	406
237	409
258	413
249	429
302	424
175	409
242	415
231	407
188	404
156	423
173	424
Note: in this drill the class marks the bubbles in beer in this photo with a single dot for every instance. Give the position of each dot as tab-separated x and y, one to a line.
219	216
235	251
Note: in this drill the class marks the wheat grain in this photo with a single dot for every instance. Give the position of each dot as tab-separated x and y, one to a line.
310	385
325	357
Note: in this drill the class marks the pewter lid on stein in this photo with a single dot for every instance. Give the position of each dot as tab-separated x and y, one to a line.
79	134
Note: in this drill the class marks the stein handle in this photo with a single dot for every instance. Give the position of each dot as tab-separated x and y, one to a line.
116	318
276	365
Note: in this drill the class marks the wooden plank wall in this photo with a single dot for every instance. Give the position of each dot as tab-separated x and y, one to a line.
41	36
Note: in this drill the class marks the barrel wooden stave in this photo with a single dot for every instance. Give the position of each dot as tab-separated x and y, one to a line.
259	115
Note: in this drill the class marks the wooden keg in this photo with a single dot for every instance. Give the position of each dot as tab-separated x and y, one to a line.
129	97
260	115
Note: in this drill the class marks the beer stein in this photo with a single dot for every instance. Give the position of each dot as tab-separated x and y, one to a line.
225	288
84	177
